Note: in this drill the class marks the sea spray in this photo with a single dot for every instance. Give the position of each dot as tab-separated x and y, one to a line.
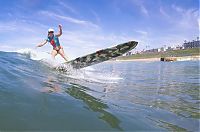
88	74
34	54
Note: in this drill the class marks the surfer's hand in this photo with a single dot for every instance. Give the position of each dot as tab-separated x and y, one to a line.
39	45
60	26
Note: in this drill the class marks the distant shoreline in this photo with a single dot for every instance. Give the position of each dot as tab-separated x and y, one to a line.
191	53
144	59
183	58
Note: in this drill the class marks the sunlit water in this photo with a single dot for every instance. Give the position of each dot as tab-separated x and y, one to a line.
156	96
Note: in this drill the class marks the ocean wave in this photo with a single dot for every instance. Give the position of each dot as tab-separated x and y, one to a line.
88	74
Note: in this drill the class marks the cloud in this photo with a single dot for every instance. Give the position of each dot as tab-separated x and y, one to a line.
178	9
18	34
4	47
8	26
20	26
69	19
179	18
142	32
199	23
189	19
144	10
96	16
66	6
142	7
164	13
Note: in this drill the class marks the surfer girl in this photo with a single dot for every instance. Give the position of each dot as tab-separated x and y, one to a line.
54	41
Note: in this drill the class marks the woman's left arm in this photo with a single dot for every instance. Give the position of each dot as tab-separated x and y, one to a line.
60	30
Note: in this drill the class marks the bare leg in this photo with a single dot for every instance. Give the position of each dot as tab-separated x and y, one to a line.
54	53
61	52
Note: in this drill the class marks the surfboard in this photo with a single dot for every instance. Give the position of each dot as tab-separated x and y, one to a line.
100	55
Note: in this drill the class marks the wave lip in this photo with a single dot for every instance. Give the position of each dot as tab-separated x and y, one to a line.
34	54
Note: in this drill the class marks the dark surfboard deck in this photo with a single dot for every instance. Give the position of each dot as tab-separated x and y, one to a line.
100	56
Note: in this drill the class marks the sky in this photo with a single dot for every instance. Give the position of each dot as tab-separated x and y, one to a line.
90	25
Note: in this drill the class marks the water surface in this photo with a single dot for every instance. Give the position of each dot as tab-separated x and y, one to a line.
157	96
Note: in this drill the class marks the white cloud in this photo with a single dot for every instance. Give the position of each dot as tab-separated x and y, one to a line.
178	9
20	34
180	20
141	6
189	18
69	19
96	16
144	10
8	26
20	26
142	32
4	47
66	6
164	13
199	24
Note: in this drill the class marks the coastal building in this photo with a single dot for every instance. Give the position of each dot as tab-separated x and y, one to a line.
162	49
169	48
185	45
151	51
193	44
128	53
178	47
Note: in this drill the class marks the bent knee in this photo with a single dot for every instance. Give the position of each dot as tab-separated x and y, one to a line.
62	55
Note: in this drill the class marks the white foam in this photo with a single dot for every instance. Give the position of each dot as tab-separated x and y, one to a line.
89	68
93	76
88	74
34	54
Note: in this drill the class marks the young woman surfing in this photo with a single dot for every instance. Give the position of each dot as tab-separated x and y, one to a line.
54	41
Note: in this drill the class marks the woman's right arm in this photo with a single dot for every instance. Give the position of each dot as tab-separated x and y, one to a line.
43	43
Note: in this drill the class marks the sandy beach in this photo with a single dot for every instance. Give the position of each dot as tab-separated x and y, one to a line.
147	59
184	58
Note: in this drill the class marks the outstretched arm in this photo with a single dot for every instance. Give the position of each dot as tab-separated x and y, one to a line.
41	44
60	30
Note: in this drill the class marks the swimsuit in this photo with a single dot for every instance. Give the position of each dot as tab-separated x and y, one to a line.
54	41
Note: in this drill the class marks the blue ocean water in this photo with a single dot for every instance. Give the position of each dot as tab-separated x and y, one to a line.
142	96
